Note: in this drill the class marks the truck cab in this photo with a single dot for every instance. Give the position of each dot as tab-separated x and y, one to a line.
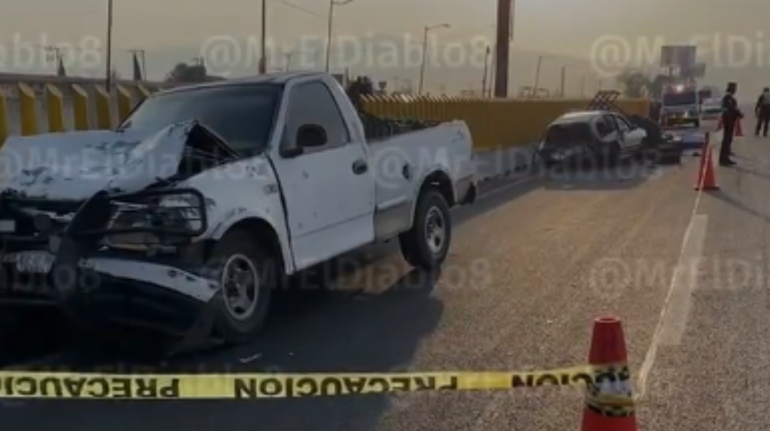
680	105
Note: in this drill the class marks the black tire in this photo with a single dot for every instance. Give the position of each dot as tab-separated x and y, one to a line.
238	247
432	212
697	124
649	151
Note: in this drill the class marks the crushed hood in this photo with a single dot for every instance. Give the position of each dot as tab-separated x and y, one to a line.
76	165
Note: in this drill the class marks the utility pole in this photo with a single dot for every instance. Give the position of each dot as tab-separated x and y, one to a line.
263	41
108	66
421	83
502	46
563	80
427	29
287	56
484	81
537	73
490	90
330	29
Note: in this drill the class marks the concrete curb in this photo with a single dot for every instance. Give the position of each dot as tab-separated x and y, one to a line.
504	163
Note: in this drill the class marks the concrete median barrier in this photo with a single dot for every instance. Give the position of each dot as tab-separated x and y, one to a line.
504	162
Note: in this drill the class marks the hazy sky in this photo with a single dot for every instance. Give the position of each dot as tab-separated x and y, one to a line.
563	27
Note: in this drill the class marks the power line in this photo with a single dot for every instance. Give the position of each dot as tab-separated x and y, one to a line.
301	9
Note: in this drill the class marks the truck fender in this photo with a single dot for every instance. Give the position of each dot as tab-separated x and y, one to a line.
441	177
223	223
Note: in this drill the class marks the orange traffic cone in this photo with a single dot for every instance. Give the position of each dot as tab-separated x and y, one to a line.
609	402
706	177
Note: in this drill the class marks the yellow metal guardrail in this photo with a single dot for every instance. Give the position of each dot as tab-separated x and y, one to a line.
494	123
29	108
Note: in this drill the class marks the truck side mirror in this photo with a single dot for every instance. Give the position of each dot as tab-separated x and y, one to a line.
308	136
311	136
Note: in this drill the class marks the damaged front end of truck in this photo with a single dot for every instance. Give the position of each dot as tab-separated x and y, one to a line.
104	230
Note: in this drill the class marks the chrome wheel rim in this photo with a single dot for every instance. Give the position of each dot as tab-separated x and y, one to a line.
435	230
240	286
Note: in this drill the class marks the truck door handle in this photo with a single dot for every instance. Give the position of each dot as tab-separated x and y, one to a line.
360	167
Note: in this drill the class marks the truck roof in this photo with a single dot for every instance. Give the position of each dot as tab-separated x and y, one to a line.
271	78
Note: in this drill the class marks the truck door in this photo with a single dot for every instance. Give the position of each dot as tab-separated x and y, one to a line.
329	190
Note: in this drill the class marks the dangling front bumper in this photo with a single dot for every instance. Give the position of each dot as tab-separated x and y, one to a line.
71	269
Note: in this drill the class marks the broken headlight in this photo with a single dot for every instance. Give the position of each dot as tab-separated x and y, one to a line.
161	223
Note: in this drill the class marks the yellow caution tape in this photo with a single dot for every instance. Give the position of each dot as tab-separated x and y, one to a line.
20	384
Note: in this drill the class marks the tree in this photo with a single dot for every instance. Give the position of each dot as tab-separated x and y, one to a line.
190	73
634	83
361	86
658	84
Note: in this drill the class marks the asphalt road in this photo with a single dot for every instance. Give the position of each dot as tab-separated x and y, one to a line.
531	266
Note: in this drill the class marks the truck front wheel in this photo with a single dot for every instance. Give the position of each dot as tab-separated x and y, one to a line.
426	244
247	275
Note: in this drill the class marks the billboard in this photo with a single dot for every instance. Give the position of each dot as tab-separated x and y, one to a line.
696	70
678	56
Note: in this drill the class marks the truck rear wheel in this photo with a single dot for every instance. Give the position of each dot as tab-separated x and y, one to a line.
426	244
246	275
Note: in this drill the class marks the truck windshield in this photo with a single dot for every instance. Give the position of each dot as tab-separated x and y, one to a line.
679	99
242	115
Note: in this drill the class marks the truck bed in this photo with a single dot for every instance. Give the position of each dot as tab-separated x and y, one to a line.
402	161
377	129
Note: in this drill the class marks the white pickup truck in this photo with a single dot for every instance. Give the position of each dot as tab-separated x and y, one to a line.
207	198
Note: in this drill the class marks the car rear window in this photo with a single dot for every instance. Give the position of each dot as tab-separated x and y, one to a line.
571	133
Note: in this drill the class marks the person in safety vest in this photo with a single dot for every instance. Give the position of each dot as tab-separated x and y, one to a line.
763	112
731	114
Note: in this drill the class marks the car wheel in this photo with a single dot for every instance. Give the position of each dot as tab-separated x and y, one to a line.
649	150
612	155
426	244
697	124
247	276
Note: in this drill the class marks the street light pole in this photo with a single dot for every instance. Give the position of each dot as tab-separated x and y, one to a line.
330	28
423	66
108	67
537	74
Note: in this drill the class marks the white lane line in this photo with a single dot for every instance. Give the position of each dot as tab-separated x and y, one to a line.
683	283
670	326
